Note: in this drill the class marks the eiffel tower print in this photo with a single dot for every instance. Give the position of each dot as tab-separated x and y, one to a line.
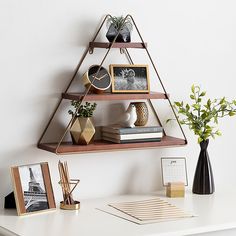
35	197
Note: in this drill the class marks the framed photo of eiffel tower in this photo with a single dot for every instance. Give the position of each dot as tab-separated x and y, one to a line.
32	188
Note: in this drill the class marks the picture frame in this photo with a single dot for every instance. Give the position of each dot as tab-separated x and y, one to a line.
127	78
174	169
33	190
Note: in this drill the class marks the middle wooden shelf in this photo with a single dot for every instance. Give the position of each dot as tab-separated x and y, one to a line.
114	96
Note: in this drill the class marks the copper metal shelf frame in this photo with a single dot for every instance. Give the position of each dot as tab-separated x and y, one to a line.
109	46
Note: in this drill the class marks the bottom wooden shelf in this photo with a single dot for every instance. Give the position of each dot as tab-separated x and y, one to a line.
100	145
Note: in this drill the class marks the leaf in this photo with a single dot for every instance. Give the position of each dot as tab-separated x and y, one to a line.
209	103
218	133
223	106
187	107
232	113
199	140
196	106
222	101
192	97
202	94
203	116
177	104
193	88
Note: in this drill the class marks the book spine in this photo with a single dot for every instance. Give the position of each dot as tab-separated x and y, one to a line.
131	141
141	130
133	136
155	129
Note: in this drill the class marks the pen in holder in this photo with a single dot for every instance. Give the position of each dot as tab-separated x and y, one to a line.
68	186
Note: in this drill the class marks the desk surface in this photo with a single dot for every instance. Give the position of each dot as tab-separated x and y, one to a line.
215	212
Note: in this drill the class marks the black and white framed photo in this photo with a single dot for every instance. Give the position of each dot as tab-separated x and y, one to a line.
174	169
32	188
130	78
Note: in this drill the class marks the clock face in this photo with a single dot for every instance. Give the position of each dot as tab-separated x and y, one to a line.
99	79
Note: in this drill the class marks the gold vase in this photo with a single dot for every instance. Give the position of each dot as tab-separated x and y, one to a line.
142	113
82	130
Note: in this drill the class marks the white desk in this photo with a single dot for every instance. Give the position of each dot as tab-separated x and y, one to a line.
215	212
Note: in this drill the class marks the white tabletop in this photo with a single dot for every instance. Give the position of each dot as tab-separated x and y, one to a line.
215	212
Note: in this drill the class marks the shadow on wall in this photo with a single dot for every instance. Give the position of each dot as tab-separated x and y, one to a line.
100	176
144	176
89	28
49	102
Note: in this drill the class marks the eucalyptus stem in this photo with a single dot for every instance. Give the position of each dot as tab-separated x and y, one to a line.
202	117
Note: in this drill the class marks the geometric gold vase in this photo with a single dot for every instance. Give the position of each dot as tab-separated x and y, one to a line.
82	130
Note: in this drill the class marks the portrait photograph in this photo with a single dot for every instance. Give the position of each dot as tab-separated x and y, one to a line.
32	188
130	78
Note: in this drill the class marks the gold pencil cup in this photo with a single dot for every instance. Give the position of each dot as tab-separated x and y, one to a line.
75	206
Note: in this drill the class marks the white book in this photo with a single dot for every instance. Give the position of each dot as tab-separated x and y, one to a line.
133	136
117	129
131	140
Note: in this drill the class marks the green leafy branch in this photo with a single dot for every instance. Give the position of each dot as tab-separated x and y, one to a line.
85	110
202	117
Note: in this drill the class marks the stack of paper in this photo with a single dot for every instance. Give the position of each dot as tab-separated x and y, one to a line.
146	211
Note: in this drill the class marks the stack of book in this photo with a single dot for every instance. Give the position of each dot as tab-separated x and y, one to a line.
117	134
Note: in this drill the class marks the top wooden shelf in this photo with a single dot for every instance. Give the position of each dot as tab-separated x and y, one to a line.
116	45
114	96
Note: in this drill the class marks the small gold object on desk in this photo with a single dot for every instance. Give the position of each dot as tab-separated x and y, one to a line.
68	186
175	189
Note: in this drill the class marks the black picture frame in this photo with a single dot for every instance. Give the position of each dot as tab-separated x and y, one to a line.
128	78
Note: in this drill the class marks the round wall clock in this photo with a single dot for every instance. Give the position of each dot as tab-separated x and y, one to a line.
99	80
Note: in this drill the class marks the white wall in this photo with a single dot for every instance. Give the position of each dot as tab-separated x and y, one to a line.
40	45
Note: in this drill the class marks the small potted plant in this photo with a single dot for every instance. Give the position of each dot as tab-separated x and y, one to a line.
119	24
202	118
82	129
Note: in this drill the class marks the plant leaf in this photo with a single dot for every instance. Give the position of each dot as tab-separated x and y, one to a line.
193	88
202	94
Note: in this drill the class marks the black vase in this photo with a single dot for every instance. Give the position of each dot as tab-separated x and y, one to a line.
123	36
203	182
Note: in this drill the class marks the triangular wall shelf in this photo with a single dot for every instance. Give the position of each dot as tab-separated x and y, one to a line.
61	147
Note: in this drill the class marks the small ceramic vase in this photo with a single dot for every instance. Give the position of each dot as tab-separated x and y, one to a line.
142	113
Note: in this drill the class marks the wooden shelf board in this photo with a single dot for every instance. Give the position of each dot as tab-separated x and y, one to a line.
114	96
116	45
69	148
